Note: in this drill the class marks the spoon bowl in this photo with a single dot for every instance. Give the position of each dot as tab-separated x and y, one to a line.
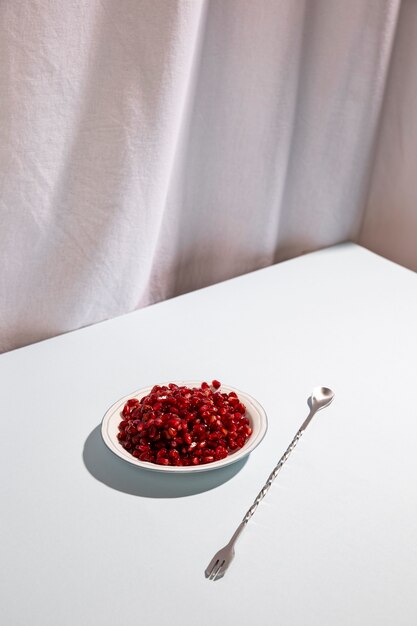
320	398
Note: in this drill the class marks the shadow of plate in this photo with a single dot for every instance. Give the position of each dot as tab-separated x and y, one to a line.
122	476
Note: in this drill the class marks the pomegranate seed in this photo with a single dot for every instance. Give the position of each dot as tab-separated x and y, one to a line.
221	453
216	384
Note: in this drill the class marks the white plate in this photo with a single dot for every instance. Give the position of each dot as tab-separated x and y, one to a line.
254	412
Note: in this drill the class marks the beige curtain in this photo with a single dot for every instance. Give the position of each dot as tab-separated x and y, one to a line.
149	148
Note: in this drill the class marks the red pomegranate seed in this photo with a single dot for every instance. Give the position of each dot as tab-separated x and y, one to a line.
216	384
221	453
152	432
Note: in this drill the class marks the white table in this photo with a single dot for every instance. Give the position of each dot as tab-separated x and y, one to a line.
88	540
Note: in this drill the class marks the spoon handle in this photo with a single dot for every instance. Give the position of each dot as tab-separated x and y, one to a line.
277	468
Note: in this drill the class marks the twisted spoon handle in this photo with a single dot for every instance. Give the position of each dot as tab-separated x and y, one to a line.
273	475
319	399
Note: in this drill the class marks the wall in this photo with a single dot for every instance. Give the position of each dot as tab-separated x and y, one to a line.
390	222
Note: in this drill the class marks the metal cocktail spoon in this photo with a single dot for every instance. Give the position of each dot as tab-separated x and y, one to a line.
319	399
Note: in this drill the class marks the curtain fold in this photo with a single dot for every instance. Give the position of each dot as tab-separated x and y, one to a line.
148	148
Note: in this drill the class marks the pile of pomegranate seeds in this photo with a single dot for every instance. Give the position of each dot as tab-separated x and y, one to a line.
175	425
